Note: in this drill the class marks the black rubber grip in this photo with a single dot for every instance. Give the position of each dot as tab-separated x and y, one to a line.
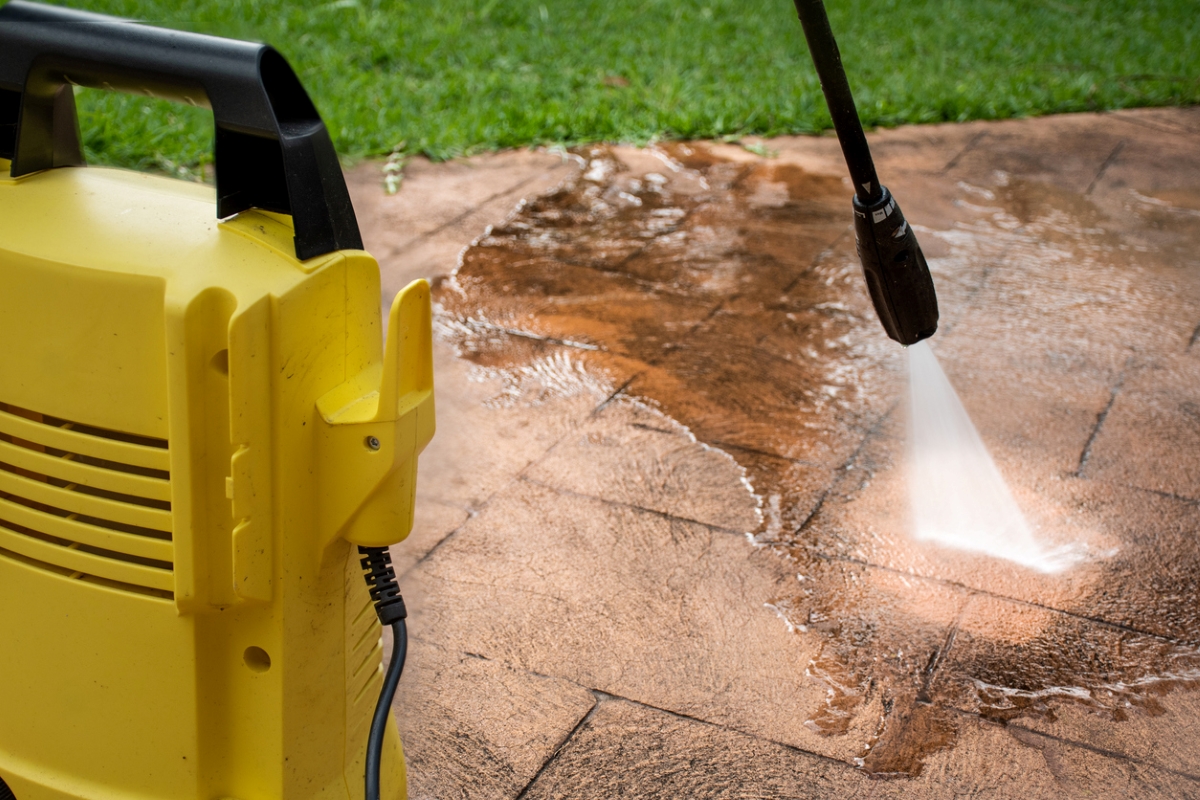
272	150
380	575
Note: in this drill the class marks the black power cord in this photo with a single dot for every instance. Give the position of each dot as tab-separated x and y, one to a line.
5	792
389	605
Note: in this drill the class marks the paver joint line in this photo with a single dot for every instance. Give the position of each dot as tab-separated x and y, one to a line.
1174	129
720	726
938	657
1104	167
870	435
450	223
1091	748
1191	501
713	312
559	748
472	513
976	590
952	163
724	445
633	507
1103	415
641	426
603	404
817	260
433	549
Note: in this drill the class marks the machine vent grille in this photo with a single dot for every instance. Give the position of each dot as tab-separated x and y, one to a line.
86	502
366	653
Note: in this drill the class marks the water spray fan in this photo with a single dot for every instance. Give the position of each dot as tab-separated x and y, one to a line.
897	274
204	439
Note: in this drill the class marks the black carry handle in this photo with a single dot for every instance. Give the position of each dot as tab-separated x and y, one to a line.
272	149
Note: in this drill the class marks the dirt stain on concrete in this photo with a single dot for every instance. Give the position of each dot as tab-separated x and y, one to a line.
724	291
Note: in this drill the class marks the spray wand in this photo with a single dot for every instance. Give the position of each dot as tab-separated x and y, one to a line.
897	275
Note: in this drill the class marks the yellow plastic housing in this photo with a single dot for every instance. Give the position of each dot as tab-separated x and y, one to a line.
195	429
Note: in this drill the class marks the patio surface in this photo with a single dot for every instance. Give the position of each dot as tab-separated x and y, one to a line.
661	546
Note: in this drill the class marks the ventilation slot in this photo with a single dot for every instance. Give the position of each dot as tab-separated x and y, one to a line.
365	651
86	502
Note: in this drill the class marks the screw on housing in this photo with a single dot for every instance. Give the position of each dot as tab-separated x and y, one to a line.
372	443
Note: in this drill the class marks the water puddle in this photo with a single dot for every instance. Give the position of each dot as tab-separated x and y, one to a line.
724	291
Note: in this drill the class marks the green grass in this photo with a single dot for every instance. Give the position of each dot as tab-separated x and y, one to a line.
447	77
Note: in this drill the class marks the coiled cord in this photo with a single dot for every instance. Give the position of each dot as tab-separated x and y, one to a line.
389	606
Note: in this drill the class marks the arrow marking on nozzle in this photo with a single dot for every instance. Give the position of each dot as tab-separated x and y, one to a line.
867	186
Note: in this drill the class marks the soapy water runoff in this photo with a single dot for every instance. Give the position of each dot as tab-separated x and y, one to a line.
958	496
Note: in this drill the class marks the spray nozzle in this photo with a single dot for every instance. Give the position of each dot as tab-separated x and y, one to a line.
897	275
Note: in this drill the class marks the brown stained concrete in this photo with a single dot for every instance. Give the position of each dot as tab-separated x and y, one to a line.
632	377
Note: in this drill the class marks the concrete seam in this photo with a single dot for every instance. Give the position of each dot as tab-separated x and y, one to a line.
1100	751
924	695
984	275
952	163
1191	501
633	507
976	590
641	426
871	433
723	727
615	394
712	313
487	501
615	271
465	214
821	255
1100	418
429	553
723	445
561	745
602	696
1104	167
1170	127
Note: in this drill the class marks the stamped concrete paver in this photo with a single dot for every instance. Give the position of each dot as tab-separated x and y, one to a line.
1156	411
591	621
477	728
629	750
629	602
631	455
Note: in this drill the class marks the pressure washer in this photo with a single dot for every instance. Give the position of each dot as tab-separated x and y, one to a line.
895	269
204	439
206	443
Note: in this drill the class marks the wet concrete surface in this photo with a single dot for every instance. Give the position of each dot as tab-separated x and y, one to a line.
672	349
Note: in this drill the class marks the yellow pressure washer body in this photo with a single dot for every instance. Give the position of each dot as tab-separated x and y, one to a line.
199	419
